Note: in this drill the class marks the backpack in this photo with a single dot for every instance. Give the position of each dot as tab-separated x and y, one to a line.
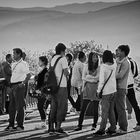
134	68
51	85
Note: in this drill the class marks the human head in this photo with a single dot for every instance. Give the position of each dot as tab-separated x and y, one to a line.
60	49
116	53
82	56
93	61
23	55
108	57
43	61
123	51
9	58
17	54
69	58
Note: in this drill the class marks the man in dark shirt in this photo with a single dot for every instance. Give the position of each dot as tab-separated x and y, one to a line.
7	75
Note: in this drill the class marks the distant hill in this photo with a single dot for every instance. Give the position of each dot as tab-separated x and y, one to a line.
43	29
86	7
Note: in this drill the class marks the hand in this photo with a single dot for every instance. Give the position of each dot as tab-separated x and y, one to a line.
38	91
99	95
21	84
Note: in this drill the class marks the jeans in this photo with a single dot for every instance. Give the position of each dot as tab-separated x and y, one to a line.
107	105
132	99
17	105
70	98
120	101
40	105
84	107
59	105
128	106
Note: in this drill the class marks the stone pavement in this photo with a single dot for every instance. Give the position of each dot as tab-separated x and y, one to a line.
33	120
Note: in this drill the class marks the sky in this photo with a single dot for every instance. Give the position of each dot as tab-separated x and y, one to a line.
44	3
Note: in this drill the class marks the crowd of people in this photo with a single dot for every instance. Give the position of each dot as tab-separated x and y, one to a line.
106	82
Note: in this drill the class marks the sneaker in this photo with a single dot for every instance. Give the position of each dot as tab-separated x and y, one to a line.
93	128
43	125
109	132
120	131
19	128
51	131
78	128
72	109
60	131
99	133
137	128
129	117
10	128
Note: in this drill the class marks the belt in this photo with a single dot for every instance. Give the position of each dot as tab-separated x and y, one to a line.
12	84
130	86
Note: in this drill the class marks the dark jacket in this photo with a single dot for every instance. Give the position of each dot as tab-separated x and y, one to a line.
7	72
40	78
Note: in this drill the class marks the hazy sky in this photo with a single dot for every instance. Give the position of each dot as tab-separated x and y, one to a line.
43	3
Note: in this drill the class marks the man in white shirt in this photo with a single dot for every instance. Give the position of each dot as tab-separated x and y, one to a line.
60	99
20	77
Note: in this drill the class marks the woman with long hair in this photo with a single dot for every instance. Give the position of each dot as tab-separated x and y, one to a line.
90	78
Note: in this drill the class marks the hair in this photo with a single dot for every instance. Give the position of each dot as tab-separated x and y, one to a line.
69	56
8	56
44	60
18	51
125	49
23	55
92	66
108	57
60	48
81	55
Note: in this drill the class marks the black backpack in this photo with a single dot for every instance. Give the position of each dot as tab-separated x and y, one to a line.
51	85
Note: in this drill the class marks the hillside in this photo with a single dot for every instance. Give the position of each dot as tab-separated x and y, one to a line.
86	7
43	29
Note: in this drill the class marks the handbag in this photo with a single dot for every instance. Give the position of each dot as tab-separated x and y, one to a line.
99	95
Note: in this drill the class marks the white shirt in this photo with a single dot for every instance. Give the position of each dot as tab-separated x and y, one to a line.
76	80
61	65
19	71
105	71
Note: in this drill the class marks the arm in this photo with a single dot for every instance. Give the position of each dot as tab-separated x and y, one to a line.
101	79
84	76
27	71
28	76
65	67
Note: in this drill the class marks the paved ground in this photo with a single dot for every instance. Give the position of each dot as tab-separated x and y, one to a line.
33	120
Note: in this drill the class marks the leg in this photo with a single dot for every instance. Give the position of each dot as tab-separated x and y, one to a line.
62	105
105	103
129	106
20	104
41	110
70	98
82	113
120	100
132	99
12	109
53	112
112	118
95	117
